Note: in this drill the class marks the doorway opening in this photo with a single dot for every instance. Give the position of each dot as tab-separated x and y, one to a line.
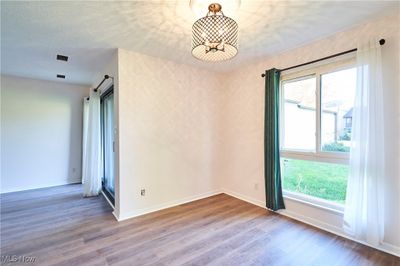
108	143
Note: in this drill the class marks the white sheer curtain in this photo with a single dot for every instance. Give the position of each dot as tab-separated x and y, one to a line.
92	150
364	217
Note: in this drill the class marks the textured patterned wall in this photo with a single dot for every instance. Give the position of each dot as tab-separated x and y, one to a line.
169	113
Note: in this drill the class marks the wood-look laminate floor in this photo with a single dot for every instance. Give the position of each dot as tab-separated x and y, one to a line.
58	226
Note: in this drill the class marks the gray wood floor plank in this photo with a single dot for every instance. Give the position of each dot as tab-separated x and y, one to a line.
60	227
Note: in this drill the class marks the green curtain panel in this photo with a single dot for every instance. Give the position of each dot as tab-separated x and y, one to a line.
272	169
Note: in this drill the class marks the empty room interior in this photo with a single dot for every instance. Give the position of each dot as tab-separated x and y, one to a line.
199	132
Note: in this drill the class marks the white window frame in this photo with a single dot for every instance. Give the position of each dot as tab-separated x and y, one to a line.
318	155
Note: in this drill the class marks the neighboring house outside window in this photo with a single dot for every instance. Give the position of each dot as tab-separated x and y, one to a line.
348	117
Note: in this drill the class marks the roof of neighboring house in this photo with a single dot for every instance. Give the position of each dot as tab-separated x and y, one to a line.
349	114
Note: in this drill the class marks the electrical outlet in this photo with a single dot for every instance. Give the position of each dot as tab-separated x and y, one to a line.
142	192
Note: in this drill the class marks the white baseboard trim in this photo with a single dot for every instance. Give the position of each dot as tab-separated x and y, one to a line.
66	182
385	247
116	216
237	195
109	202
388	246
114	212
122	217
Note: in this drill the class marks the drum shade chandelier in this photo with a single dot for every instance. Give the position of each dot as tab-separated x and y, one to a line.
215	36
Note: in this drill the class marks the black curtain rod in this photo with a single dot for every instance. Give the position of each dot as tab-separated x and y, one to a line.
381	42
104	79
95	89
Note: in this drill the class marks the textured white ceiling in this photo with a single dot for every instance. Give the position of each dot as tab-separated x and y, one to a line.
32	33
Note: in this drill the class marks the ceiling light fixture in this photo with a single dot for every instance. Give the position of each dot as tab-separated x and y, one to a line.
214	37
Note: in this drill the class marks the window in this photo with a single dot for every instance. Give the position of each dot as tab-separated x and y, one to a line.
316	120
300	116
326	181
337	98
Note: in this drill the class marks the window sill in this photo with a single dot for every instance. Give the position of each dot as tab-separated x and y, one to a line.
314	202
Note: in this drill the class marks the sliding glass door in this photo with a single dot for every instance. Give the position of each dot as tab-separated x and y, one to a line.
108	142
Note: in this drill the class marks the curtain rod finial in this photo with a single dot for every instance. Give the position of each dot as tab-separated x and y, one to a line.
262	75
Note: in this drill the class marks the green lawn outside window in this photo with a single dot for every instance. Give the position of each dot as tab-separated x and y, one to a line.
322	180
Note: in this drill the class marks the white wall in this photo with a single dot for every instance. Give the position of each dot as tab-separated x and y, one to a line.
242	169
168	114
41	133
